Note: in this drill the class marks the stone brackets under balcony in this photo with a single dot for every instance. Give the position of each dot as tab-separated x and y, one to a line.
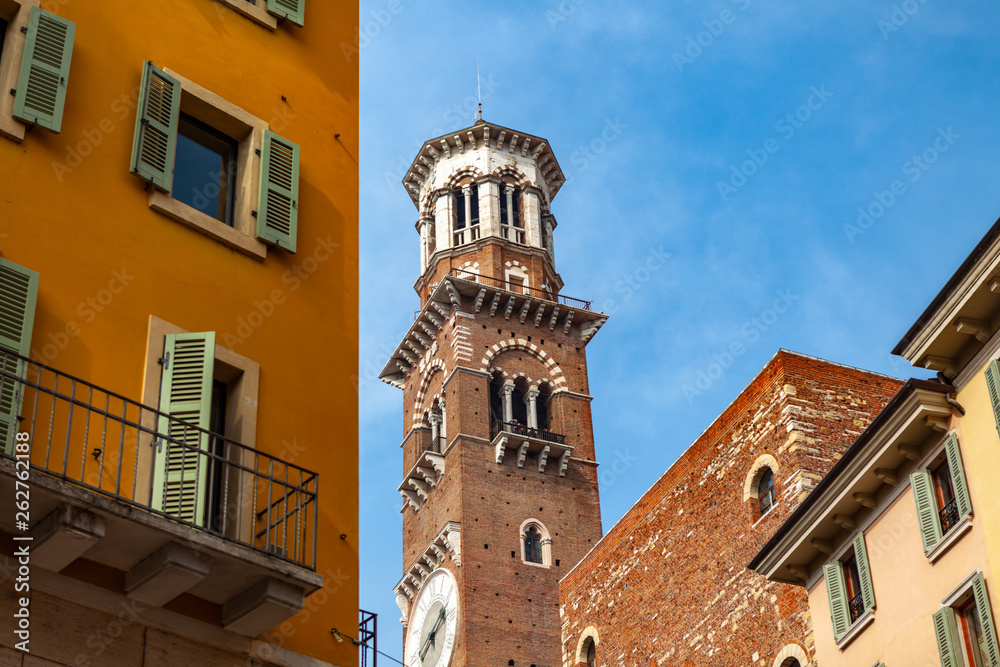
423	476
549	455
448	542
64	535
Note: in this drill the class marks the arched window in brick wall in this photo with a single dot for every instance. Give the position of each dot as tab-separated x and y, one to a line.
586	648
533	545
760	491
765	491
536	543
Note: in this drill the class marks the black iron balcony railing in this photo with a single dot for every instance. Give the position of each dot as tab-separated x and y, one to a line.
856	606
521	289
116	447
949	515
520	429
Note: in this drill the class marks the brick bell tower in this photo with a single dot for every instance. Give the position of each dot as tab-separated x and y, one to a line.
499	475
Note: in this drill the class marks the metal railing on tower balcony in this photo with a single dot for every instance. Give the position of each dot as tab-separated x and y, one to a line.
511	233
467	235
507	285
98	440
517	428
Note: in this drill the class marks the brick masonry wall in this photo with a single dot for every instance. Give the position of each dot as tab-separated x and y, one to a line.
509	609
668	584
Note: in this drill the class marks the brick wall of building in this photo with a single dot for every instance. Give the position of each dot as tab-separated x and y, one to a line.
668	584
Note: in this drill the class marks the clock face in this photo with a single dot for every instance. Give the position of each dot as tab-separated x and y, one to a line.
431	633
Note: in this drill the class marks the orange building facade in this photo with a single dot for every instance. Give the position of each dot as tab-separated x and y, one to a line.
178	332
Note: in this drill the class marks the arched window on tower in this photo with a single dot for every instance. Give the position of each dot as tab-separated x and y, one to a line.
765	491
510	213
466	226
533	546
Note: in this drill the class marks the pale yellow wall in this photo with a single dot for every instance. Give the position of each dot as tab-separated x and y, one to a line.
908	588
982	460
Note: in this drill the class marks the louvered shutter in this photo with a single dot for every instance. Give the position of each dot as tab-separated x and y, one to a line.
18	296
927	509
41	84
864	572
291	10
947	638
155	143
836	594
278	206
986	617
958	480
181	469
993	386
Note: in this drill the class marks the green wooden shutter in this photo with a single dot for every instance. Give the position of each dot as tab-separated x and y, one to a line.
291	10
278	205
947	638
927	509
986	617
18	296
41	84
155	143
993	386
180	481
864	572
836	594
958	480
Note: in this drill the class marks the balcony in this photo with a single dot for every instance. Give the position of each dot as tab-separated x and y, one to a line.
175	507
542	445
505	285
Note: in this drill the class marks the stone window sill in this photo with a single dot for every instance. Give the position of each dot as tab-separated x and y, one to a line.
207	225
964	526
856	628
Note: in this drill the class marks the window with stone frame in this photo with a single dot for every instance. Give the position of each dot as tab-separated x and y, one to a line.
536	544
964	627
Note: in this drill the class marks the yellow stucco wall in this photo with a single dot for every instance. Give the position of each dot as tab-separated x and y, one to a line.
982	463
908	587
70	209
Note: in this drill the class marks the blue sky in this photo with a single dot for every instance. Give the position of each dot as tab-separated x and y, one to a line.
740	138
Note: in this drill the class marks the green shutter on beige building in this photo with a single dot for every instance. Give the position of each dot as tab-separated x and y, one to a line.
927	509
864	572
180	471
290	10
836	593
947	638
44	76
155	142
990	646
993	386
18	297
958	481
278	205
